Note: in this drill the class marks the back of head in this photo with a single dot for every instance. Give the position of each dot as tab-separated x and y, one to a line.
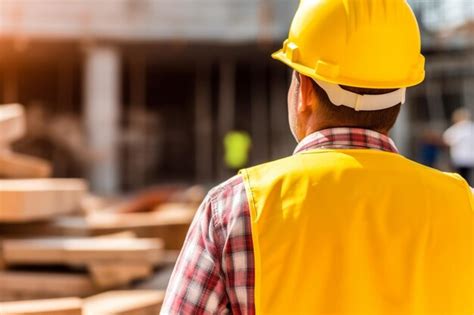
342	116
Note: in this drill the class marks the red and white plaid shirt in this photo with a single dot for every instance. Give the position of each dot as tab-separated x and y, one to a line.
214	273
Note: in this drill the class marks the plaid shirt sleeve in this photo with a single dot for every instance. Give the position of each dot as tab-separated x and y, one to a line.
215	271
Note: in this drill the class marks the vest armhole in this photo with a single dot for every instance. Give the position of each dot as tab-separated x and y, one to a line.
255	241
470	190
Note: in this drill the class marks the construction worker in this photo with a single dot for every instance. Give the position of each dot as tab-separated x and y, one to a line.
237	146
460	139
345	226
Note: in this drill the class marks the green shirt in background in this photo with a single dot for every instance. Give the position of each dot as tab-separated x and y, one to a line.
237	146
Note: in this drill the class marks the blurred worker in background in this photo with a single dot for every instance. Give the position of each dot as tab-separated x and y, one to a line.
460	139
346	225
237	146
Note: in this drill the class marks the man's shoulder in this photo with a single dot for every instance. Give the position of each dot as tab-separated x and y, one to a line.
267	167
434	172
229	199
227	186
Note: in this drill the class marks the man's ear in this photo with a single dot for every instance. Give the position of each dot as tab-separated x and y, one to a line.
307	97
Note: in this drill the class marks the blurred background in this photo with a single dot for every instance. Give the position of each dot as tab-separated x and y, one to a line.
152	102
129	93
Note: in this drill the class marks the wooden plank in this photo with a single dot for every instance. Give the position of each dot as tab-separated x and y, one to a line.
62	306
171	228
72	226
26	200
74	251
2	261
137	302
112	275
13	165
16	285
124	234
145	200
104	220
12	123
109	275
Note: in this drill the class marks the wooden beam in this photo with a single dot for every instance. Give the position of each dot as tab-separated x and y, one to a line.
75	251
2	261
16	285
35	199
170	226
146	219
14	165
124	234
110	275
62	306
137	302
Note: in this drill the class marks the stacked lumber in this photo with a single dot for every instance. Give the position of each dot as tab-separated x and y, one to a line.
26	200
24	285
64	306
14	165
61	249
105	263
168	220
139	302
78	251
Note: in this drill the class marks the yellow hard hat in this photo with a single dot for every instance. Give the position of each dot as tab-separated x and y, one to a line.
360	43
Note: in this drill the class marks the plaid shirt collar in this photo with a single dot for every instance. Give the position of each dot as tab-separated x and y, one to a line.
346	138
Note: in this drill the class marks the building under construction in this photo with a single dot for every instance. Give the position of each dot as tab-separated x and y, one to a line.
134	92
116	116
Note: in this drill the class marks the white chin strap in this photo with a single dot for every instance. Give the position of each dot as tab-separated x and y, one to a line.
339	96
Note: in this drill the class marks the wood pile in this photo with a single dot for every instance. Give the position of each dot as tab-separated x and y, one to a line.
136	302
14	165
61	249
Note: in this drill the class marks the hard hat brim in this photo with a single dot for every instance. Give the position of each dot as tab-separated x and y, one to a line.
281	56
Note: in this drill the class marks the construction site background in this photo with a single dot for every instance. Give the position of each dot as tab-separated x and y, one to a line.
129	93
121	114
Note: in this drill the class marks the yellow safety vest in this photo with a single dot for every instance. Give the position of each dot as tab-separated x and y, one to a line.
360	232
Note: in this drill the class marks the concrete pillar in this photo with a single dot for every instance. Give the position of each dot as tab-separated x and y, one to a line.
101	115
203	123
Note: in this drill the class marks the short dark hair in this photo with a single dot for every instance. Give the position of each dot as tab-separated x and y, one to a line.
343	116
